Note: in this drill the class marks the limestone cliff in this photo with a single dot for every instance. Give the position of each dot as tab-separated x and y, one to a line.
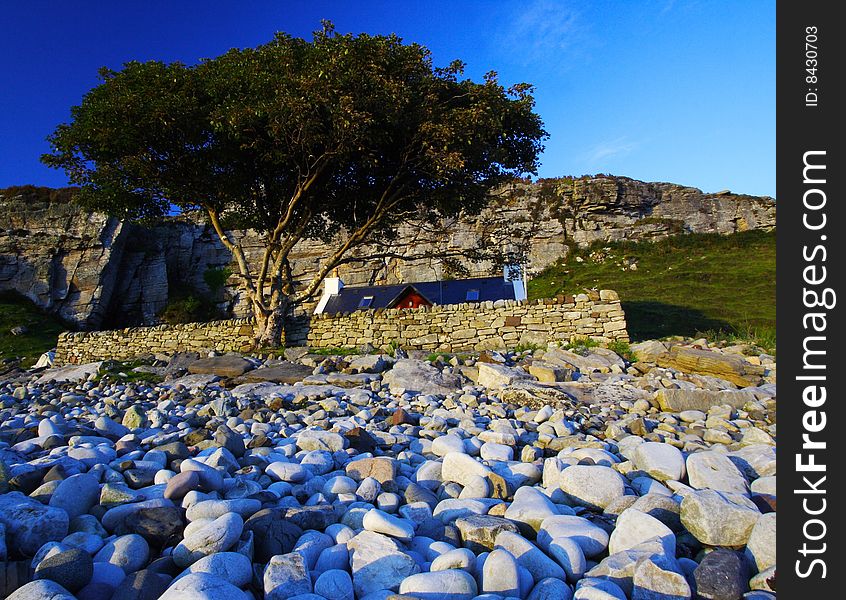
93	270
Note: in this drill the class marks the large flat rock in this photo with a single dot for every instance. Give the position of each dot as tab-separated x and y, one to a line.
731	367
679	400
228	365
286	372
70	373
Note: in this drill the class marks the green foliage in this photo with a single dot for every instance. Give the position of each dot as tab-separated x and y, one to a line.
216	278
123	372
299	139
759	339
524	346
42	329
683	285
582	345
186	305
623	349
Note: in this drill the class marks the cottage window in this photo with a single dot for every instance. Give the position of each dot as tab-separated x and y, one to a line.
365	302
472	295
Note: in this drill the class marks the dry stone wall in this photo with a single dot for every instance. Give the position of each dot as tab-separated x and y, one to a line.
233	335
486	326
451	328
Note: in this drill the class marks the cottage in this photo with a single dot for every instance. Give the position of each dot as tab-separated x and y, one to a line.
338	298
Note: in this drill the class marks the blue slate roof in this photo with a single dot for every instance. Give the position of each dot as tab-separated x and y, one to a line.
437	292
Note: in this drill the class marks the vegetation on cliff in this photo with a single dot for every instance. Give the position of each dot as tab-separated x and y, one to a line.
722	285
41	329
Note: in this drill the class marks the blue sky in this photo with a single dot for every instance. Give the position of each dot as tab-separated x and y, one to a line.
663	90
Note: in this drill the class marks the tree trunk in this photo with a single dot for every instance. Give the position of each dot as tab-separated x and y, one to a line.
270	326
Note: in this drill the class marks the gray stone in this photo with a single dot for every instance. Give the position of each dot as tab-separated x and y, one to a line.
229	566
500	574
70	373
721	575
441	585
494	376
761	546
592	539
550	589
567	553
43	589
478	532
719	519
661	461
592	486
218	536
29	524
653	581
529	508
129	552
634	527
286	575
713	470
221	366
678	400
203	586
72	569
420	376
378	562
334	584
529	556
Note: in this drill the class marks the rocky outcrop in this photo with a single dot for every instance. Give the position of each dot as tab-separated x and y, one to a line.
94	271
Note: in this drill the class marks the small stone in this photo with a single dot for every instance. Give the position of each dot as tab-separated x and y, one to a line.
653	581
634	527
592	539
42	589
719	519
286	575
441	585
377	562
594	588
550	589
529	508
715	471
500	574
142	585
381	522
478	532
203	586
229	566
659	460
72	569
761	546
334	584
721	575
129	552
218	536
592	486
529	556
76	494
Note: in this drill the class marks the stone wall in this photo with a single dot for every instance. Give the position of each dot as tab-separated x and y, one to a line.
486	326
452	328
234	335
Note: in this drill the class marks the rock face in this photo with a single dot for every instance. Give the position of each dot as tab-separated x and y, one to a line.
95	271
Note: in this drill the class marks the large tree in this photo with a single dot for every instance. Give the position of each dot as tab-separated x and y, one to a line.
342	138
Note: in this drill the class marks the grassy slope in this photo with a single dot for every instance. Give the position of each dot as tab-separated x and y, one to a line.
43	329
685	285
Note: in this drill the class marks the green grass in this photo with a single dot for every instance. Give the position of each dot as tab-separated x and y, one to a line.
685	285
43	329
334	351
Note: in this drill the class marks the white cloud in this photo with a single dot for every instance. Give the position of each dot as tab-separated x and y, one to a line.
620	146
542	30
